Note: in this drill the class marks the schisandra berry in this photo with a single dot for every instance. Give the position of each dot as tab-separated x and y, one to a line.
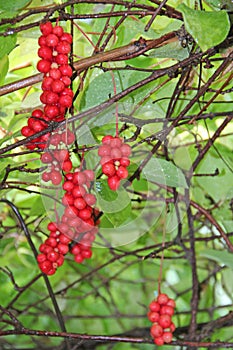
160	314
114	155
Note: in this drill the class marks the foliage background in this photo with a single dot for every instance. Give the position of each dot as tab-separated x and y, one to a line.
179	125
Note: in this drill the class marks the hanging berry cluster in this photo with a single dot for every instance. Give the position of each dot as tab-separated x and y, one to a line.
160	314
77	228
114	155
55	45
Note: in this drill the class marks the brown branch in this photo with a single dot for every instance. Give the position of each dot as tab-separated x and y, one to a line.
131	50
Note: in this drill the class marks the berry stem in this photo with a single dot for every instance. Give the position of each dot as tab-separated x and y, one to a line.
116	112
162	255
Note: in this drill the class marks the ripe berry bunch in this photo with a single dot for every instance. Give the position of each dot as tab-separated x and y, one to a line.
160	314
77	229
114	155
55	45
58	160
53	249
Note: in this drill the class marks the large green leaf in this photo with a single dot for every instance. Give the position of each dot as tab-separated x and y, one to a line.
164	172
207	28
13	6
115	205
222	257
7	44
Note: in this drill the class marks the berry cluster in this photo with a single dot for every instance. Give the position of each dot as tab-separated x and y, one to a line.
55	45
114	155
160	314
77	229
53	249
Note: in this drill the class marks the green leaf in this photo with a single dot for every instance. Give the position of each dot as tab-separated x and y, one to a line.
37	207
222	257
7	44
207	28
13	6
115	205
4	66
164	172
173	50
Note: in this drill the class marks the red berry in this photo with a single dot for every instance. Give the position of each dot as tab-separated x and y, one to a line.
63	248
66	101
125	150
37	113
45	52
86	254
165	321
42	40
46	177
167	337
167	310
63	47
62	59
154	306
116	153
159	341
71	212
26	131
57	85
53	256
115	142
80	203
124	162
52	226
46	28
171	303
66	70
67	199
172	327
52	40
45	266
104	150
122	172
46	158
153	316
79	258
52	242
47	83
78	191
107	138
43	66
162	299
56	177
41	258
67	165
68	186
85	214
51	111
108	169
55	73
90	199
58	30
114	182
67	37
156	330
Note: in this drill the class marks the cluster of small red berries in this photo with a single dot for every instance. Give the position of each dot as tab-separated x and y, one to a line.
160	314
114	155
55	45
53	249
77	229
